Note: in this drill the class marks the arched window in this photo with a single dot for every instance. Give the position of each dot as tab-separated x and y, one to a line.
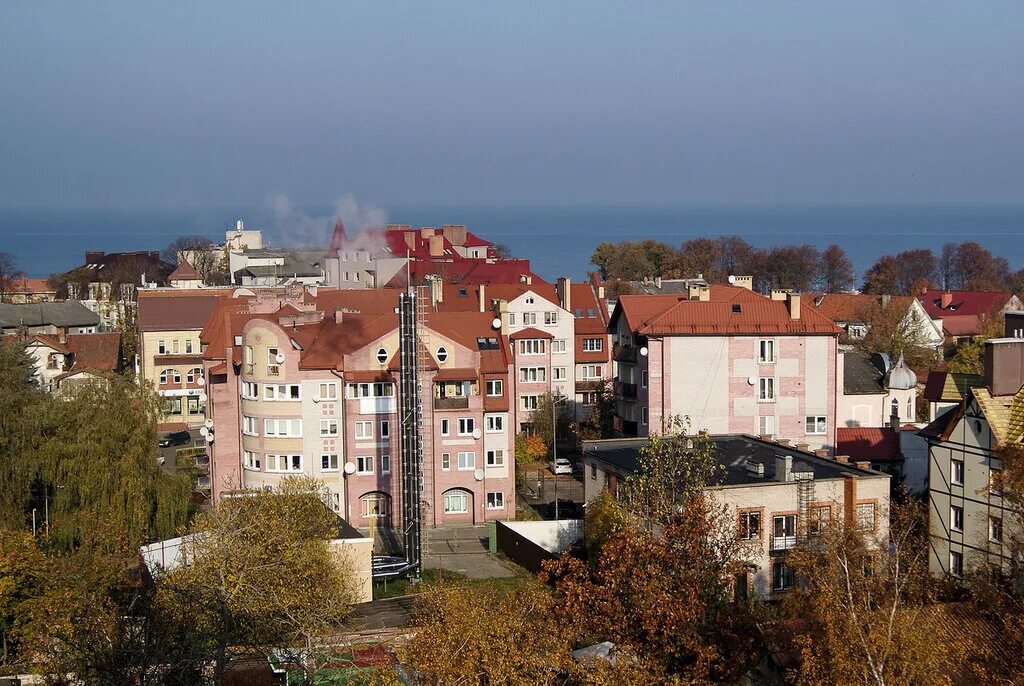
194	374
895	408
456	501
910	409
442	354
163	377
375	505
382	356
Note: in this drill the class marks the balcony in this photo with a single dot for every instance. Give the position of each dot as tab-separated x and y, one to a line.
587	386
624	353
451	403
273	370
625	427
783	542
624	390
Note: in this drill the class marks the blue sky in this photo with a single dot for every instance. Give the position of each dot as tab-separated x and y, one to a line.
191	104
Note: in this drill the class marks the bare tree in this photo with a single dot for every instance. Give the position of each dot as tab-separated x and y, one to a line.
201	253
836	270
9	273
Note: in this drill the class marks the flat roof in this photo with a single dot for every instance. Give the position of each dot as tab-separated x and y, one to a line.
734	452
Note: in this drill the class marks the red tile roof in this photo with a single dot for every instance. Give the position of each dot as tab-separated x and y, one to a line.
961	325
98	351
530	332
468	271
876	444
26	285
730	310
188	311
365	301
963	303
184	272
851	307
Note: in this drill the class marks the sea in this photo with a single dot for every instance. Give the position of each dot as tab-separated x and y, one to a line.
558	240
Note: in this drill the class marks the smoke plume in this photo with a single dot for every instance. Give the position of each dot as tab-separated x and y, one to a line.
297	229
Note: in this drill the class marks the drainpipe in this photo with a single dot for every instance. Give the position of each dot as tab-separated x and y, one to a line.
344	452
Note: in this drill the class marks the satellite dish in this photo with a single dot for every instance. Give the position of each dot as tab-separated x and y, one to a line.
203	431
201	380
350	467
202	397
477	434
643	351
732	278
751	380
209	439
496	323
478	475
280	358
208	423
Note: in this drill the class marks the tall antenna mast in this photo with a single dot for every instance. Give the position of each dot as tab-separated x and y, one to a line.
411	414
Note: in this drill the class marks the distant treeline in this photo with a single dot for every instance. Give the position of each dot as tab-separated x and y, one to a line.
960	266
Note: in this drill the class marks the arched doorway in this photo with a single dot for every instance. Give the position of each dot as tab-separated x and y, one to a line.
458	506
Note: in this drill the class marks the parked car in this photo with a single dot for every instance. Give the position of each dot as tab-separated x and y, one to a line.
561	466
175	438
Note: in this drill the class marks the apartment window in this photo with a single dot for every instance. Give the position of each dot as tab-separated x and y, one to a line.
511	318
558	345
442	354
272	356
382	356
328	427
252	460
643	416
591	371
766	351
995	529
495	458
380	389
329	462
529	300
374	505
282	392
956	564
161	348
588	398
445	427
533	374
784	531
188	346
766	389
643	378
385	428
782	576
956	472
495	500
531	346
466	426
385	464
364	430
529	318
290	428
529	402
956	518
467	461
593	345
328	391
248	354
558	373
814	424
495	387
550	318
446	461
750	526
284	463
456	502
250	390
364	464
865	516
249	426
495	423
821	518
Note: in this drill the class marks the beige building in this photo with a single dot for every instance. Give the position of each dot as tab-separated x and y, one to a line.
970	525
776	494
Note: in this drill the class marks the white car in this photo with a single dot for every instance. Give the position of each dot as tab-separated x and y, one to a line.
561	466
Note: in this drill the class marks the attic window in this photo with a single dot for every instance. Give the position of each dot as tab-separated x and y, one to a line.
591	313
487	343
735	307
382	356
463	292
579	312
529	300
442	354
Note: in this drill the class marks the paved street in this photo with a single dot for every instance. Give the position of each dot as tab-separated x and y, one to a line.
463	549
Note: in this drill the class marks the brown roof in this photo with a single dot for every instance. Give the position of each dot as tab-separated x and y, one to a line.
188	311
99	351
583	301
364	300
730	310
530	332
184	272
26	285
334	340
48	340
877	444
852	307
456	374
466	298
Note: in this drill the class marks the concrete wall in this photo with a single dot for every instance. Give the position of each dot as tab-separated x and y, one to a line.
530	544
356	555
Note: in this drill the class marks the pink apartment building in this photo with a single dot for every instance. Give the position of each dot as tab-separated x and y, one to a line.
729	359
307	385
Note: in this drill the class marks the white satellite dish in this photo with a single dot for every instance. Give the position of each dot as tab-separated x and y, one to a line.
477	434
350	467
201	380
478	475
732	279
208	423
643	351
209	439
496	323
280	358
203	431
751	380
202	397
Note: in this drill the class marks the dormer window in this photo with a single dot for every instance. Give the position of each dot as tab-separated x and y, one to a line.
442	354
382	356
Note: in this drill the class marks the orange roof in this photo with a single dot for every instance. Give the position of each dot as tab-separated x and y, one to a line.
583	301
730	310
456	374
852	307
466	298
46	339
335	340
530	332
100	351
26	285
185	272
366	300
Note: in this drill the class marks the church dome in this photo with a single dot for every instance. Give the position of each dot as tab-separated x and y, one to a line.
901	377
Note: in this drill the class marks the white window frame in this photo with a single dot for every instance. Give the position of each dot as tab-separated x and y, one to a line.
861	522
495	388
363	430
592	372
956	512
762	425
282	392
466	461
956	472
529	401
446	427
281	463
250	425
382	501
385	463
529	318
766	351
495	500
467	425
250	390
593	345
327	391
442	354
551	318
533	375
332	460
292	427
161	347
251	460
329	427
494	458
956	568
817	421
532	346
767	389
385	428
558	374
558	345
364	464
461	496
446	462
494	423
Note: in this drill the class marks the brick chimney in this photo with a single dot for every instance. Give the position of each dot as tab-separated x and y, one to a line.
779	294
743	282
455	233
481	298
1004	365
783	467
946	300
563	286
436	244
502	311
793	305
436	290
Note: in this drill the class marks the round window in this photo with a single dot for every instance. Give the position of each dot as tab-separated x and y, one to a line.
382	356
442	354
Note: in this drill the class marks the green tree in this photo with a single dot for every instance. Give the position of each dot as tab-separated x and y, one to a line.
604	254
22	567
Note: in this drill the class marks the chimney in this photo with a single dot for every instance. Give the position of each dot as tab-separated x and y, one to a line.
239	225
503	316
849	499
1004	365
436	290
657	282
704	293
783	441
779	294
564	289
783	467
886	299
455	233
743	282
793	305
803	447
62	335
947	300
862	464
92	256
821	453
436	245
410	239
845	459
426	232
600	293
481	297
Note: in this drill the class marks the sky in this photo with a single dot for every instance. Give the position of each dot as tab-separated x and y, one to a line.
195	104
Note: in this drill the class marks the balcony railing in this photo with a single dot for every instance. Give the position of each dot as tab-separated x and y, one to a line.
273	370
624	353
626	390
587	386
783	542
451	403
250	368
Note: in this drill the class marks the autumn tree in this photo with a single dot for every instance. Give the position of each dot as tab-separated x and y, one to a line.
201	253
870	597
898	274
599	420
9	274
503	251
696	256
836	270
793	267
976	269
894	329
22	569
552	418
602	257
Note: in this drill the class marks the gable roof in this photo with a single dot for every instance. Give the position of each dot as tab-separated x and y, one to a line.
184	272
23	284
96	351
963	302
530	332
949	387
100	266
852	307
583	302
466	271
167	311
860	375
60	314
876	444
730	310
